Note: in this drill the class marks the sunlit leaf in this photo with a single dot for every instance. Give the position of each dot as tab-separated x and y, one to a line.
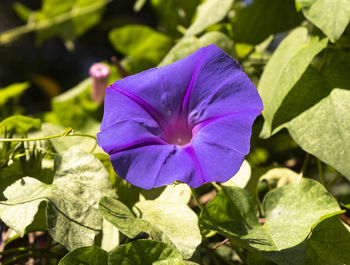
140	42
330	16
166	221
139	5
316	112
177	221
324	130
110	236
86	255
143	252
209	13
21	124
188	45
79	22
179	193
290	211
284	69
241	178
72	216
22	11
12	91
73	107
120	216
67	19
278	177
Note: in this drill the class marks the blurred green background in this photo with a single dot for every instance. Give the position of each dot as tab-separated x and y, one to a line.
60	69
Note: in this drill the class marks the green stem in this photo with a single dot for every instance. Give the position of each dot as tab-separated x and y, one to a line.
260	207
51	137
216	186
306	161
21	249
13	250
195	197
33	255
334	180
320	172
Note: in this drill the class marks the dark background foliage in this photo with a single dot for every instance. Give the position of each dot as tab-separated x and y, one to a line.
24	59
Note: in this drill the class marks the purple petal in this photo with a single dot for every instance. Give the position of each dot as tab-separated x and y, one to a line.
217	162
222	143
230	131
220	88
125	124
154	166
163	88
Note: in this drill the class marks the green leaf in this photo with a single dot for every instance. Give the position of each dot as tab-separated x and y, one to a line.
67	19
177	221
140	42
189	262
86	255
179	193
110	236
278	177
329	243
145	252
22	11
234	213
208	13
139	4
255	258
75	106
309	89
21	124
188	45
72	216
163	220
306	203
324	130
241	178
175	13
12	91
262	18
39	222
330	16
284	69
84	22
120	216
316	112
83	15
9	174
243	49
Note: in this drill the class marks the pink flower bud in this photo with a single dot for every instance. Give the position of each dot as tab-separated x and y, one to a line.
99	73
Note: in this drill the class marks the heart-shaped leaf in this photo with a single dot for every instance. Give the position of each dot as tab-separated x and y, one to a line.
72	216
291	212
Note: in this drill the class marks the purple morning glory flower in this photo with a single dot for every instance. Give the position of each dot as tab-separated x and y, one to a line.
189	121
